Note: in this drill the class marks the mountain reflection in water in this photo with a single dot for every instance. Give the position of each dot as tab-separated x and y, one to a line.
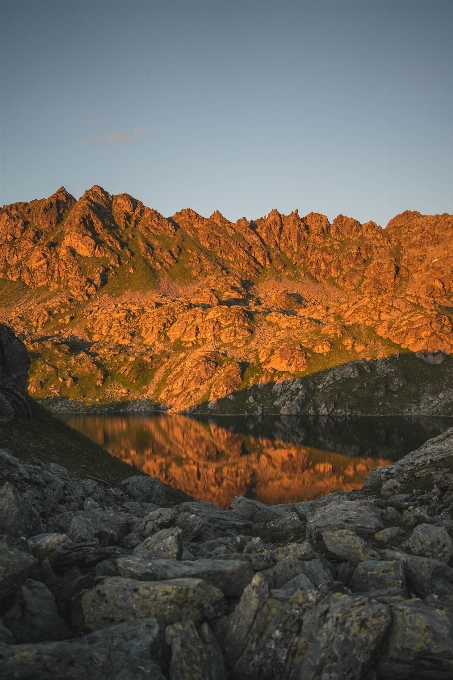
271	459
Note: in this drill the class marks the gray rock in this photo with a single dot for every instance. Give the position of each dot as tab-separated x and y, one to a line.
106	568
258	512
273	637
432	451
220	522
145	489
232	631
341	638
43	572
192	658
362	517
317	572
15	566
10	467
17	518
299	582
229	576
430	541
50	541
82	555
140	639
301	551
420	644
392	516
191	525
285	570
6	635
390	487
347	545
68	660
104	526
155	521
344	572
166	544
386	536
379	578
34	616
424	575
121	599
130	541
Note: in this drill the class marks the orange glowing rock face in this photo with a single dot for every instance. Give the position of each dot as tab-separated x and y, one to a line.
213	464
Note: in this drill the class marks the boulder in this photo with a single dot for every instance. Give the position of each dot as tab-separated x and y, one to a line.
318	571
192	657
232	631
388	535
34	616
122	599
6	635
48	541
425	576
11	469
428	540
229	576
166	544
17	518
144	489
191	525
346	544
140	639
377	577
362	517
82	555
268	650
287	569
258	512
342	637
286	591
15	566
162	518
420	644
220	522
73	660
103	526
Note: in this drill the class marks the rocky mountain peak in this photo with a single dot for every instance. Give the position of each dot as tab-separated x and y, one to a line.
270	299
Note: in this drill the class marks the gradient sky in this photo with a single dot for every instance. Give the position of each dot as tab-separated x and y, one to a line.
242	106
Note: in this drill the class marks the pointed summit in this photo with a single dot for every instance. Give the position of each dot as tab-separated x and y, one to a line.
62	195
98	194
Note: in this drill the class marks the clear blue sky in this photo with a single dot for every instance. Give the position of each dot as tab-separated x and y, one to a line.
242	106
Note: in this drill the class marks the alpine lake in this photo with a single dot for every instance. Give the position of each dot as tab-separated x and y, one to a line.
271	459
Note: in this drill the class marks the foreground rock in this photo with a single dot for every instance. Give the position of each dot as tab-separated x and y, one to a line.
116	582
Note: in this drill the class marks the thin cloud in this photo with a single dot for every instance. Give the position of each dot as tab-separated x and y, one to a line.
115	137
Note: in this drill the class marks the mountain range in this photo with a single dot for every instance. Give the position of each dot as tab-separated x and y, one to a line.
118	304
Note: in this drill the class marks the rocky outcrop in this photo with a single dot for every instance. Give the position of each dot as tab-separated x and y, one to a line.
118	303
14	365
177	591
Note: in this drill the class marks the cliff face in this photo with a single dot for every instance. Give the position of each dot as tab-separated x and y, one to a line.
117	302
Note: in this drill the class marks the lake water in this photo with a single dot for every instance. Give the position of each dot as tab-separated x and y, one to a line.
271	459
